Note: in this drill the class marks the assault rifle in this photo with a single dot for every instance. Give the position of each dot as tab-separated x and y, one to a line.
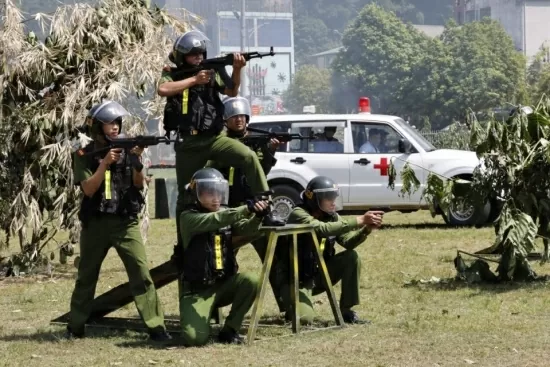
256	141
218	64
122	142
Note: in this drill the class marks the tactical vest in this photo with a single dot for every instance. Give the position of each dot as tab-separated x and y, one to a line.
198	109
209	258
116	194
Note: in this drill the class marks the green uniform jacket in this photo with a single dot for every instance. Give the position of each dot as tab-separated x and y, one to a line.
265	155
346	230
242	222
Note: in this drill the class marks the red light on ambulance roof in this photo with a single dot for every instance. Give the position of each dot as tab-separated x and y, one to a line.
364	105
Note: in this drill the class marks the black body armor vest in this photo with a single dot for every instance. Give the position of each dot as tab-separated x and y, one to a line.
209	258
197	110
116	194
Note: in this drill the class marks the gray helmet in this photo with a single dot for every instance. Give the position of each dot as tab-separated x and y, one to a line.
236	106
189	43
107	111
210	182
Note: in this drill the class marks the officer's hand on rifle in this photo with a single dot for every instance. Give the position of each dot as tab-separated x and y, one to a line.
274	144
112	156
258	207
137	151
373	219
203	77
239	61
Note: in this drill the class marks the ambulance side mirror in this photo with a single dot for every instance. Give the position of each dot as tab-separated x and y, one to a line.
404	146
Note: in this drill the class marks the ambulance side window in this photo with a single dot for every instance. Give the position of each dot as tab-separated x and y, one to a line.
374	138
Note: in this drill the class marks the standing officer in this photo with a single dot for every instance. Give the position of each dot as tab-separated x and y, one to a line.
321	200
210	277
111	184
195	110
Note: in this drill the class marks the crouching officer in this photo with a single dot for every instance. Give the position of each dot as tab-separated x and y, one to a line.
210	277
321	200
112	184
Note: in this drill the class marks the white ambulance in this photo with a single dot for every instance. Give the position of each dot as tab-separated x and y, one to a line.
355	151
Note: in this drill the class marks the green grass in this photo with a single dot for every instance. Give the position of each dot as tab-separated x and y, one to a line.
426	325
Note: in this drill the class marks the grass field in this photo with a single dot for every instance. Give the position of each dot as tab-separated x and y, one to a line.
422	325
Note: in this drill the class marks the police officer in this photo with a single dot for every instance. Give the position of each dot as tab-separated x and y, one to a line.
321	200
210	277
111	182
195	110
237	114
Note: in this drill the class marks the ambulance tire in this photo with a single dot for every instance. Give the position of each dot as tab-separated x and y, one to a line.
472	217
284	199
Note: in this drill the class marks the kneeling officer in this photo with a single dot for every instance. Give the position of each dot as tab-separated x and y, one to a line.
109	214
210	277
321	200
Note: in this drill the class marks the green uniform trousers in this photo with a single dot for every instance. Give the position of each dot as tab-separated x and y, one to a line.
196	150
95	240
344	266
196	306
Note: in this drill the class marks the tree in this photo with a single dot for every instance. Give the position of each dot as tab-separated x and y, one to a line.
311	36
379	58
91	53
485	70
516	168
310	86
538	75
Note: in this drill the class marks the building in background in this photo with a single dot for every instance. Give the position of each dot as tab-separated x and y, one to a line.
526	21
267	23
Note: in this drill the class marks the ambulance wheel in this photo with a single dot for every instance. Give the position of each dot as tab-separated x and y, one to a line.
284	199
464	214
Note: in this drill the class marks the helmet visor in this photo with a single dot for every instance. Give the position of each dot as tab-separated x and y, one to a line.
329	200
212	193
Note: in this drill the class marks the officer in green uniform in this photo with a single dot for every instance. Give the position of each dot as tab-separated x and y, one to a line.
111	182
194	109
321	200
237	114
210	277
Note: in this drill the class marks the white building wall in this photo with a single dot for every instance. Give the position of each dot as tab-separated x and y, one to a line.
537	26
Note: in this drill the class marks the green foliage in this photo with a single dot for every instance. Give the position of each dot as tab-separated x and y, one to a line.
310	86
516	169
88	54
473	67
380	52
538	75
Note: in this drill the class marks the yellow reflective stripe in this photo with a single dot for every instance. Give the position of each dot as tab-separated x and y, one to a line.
322	245
218	252
219	80
108	185
185	101
231	174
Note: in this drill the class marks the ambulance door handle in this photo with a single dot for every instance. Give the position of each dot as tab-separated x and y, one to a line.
298	160
362	161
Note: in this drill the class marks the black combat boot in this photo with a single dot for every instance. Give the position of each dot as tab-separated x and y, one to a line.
160	336
350	317
272	219
229	336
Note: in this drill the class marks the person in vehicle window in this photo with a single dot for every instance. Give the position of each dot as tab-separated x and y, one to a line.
375	144
327	143
321	200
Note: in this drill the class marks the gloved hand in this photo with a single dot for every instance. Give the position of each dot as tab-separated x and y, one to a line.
258	207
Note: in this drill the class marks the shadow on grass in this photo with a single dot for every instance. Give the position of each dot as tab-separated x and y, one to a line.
453	284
